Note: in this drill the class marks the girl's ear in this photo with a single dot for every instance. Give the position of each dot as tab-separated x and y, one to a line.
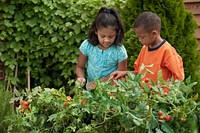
96	32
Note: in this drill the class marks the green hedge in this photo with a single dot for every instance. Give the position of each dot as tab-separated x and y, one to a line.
43	36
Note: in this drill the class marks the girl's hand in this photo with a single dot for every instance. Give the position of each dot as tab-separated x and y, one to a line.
118	74
82	80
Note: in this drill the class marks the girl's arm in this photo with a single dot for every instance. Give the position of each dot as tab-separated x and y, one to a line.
82	59
122	66
122	70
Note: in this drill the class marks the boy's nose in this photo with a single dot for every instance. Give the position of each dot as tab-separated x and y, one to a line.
140	40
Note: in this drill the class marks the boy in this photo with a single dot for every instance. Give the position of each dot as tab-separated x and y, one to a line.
156	52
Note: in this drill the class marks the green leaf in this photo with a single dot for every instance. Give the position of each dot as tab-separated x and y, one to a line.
17	93
148	71
31	23
7	23
142	67
192	84
52	117
54	39
68	24
186	89
153	124
121	97
194	98
188	80
158	130
165	127
35	1
135	119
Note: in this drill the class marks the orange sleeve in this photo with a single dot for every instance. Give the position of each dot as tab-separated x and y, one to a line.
139	60
175	64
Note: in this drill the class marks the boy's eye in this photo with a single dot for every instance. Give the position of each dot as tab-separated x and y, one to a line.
141	37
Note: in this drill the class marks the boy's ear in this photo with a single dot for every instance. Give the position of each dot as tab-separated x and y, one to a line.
155	33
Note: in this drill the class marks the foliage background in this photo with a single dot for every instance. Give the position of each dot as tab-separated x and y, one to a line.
5	108
43	36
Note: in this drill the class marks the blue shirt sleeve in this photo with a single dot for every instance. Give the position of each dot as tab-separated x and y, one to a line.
85	46
122	54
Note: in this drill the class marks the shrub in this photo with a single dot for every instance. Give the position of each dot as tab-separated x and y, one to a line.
5	108
126	108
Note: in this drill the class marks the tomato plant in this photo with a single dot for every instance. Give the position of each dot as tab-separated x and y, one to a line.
129	107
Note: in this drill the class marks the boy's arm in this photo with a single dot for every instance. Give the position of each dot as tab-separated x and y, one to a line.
175	65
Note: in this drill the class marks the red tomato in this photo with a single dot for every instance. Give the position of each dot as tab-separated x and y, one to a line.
150	87
68	98
161	117
84	102
165	89
65	103
109	93
160	112
182	119
26	103
146	80
168	118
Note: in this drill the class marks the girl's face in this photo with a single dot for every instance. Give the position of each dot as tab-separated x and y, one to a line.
146	38
106	36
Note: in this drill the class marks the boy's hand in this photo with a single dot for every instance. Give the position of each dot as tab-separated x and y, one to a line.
118	74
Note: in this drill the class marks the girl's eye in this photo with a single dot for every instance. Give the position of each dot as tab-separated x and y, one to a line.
102	36
110	37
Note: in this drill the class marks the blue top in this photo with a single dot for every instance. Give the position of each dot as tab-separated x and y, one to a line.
102	63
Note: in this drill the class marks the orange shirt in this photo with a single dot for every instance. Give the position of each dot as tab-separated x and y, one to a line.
164	58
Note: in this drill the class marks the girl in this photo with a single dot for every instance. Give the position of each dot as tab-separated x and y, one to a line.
103	52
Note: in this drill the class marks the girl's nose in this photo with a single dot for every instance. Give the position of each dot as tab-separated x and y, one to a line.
106	40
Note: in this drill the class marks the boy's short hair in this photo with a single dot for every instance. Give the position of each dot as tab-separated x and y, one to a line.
149	21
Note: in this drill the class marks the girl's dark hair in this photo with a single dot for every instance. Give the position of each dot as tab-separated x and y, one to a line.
149	21
107	17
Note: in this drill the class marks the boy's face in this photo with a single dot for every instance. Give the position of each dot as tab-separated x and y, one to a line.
106	36
146	38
